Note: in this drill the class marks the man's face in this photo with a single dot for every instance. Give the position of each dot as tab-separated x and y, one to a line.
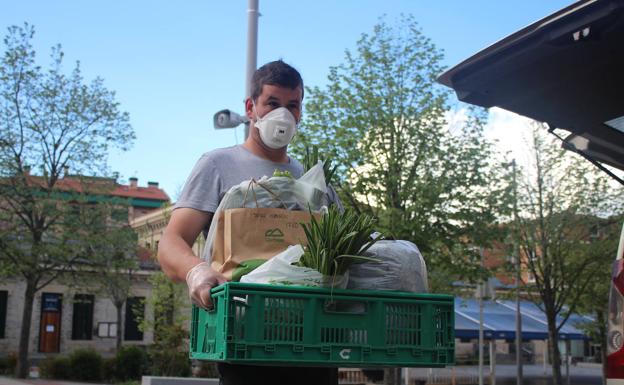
273	97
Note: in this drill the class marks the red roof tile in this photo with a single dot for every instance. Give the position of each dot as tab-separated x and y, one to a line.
150	192
104	186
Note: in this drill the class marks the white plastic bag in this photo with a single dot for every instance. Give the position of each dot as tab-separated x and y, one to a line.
281	270
399	266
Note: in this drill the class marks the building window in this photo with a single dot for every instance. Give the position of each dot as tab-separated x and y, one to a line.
107	329
135	309
82	321
3	312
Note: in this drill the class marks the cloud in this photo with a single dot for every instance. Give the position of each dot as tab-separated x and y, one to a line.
511	132
455	119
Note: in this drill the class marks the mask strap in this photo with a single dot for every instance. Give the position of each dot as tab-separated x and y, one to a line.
255	110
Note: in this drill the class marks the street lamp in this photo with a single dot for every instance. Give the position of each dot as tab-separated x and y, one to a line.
227	118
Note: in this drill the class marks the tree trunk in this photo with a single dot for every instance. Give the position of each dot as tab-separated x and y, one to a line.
119	306
553	349
22	355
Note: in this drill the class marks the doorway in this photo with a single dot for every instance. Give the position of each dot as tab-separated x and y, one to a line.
50	324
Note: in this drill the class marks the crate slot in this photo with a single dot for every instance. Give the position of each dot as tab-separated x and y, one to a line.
283	319
403	324
344	336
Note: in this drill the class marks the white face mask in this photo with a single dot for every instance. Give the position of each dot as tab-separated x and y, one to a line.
277	128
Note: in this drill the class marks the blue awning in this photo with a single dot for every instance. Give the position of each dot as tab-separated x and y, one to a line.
499	321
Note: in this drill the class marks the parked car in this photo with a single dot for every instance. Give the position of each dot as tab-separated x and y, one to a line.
566	70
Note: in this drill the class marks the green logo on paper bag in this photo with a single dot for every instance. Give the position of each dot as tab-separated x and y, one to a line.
274	235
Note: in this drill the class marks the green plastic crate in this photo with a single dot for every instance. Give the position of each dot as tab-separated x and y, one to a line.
294	325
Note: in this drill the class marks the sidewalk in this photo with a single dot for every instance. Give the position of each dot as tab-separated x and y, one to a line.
31	381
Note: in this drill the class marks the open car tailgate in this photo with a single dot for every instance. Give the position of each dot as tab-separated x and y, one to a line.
566	70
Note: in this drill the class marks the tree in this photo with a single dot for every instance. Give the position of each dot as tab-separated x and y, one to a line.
561	202
594	300
170	302
49	122
169	352
382	119
111	247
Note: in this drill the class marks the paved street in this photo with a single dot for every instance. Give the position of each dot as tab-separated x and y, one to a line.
581	374
12	381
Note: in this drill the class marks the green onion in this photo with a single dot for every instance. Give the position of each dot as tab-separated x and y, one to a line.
312	157
337	240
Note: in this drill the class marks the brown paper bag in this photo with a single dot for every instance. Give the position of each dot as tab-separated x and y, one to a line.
247	237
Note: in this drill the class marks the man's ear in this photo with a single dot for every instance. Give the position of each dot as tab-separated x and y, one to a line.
249	109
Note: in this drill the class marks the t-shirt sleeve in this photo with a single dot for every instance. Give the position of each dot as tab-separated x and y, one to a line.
202	189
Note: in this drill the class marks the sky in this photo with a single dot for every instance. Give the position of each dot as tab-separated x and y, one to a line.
173	64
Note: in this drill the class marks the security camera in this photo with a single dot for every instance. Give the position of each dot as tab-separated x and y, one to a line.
228	119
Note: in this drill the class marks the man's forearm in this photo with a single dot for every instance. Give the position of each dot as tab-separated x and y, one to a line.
176	257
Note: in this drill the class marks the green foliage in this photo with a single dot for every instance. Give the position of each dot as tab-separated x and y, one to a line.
51	121
170	303
7	364
85	365
336	240
170	362
169	352
109	251
207	369
561	229
57	368
382	120
562	202
109	368
131	362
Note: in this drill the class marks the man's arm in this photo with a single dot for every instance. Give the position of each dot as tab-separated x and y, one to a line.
175	253
176	257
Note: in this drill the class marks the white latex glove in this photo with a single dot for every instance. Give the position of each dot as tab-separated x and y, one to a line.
200	279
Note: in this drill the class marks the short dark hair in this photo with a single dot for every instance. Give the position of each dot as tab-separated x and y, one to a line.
275	73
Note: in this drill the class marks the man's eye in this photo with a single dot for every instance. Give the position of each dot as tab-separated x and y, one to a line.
273	104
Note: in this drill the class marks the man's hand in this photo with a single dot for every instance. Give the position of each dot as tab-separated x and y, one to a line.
200	279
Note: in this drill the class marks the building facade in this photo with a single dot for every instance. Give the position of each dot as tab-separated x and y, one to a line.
151	226
66	317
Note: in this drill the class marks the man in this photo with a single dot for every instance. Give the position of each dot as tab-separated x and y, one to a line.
274	110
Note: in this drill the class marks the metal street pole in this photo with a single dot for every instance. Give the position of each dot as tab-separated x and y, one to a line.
492	361
567	348
480	333
252	48
481	295
518	266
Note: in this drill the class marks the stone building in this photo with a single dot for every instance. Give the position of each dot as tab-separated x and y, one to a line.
65	318
150	228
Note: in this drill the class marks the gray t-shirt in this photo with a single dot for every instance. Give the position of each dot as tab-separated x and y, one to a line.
218	170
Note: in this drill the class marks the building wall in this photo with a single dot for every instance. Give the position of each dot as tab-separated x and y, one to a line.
150	228
143	200
15	299
103	311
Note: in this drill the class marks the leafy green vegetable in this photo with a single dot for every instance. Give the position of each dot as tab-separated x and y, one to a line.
310	160
283	173
337	240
